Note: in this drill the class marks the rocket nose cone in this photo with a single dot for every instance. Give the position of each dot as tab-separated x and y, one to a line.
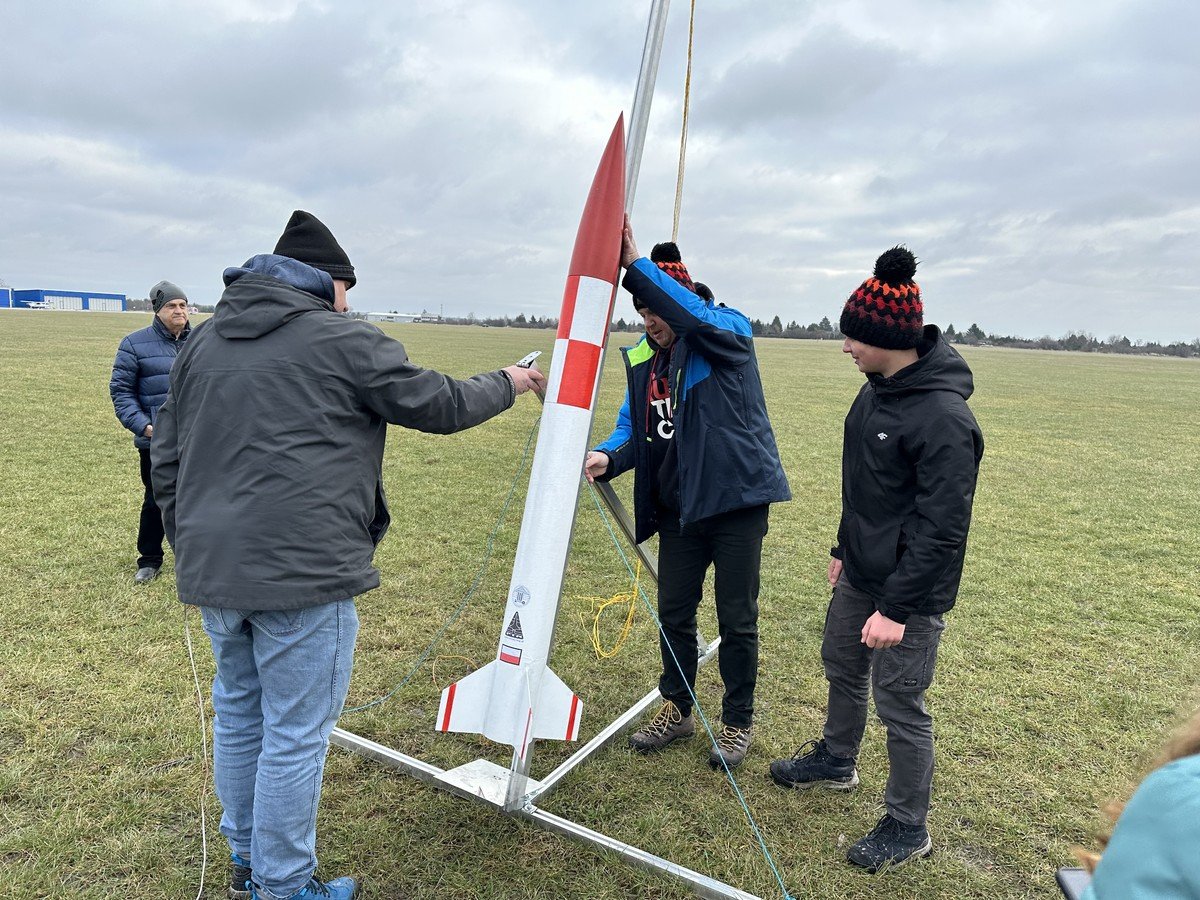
598	241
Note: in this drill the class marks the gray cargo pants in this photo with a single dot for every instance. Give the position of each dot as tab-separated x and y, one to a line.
899	676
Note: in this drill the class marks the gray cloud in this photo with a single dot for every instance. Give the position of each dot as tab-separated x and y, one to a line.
1039	159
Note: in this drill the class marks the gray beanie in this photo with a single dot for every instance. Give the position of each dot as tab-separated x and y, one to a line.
164	292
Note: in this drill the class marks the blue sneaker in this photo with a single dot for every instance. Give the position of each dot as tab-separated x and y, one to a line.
239	877
344	888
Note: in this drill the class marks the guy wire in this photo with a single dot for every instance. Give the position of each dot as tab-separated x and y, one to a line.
187	633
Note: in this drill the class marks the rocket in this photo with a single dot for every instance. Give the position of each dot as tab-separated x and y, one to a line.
516	698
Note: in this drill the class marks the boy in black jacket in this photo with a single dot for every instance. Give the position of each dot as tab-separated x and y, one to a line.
910	457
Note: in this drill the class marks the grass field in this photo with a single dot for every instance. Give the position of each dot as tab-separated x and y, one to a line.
1075	644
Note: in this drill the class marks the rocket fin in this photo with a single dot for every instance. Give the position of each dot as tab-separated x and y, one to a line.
464	704
558	711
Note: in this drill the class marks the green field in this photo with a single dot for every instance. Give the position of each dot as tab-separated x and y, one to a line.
1074	645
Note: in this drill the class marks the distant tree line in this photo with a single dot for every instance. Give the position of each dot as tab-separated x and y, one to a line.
143	304
1078	341
826	331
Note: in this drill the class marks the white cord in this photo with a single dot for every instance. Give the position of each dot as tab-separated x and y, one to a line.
187	632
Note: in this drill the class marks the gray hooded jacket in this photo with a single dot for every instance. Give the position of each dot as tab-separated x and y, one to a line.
267	455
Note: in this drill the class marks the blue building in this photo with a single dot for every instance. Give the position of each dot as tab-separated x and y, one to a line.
77	300
6	297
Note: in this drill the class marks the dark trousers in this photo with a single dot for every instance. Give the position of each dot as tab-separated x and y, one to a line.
899	677
732	544
150	528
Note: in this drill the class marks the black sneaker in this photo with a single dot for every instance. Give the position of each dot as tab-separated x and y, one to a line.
890	844
668	725
239	877
814	766
145	574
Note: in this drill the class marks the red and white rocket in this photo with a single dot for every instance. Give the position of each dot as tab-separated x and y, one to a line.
516	699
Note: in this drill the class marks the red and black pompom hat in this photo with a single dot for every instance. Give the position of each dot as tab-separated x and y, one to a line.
886	309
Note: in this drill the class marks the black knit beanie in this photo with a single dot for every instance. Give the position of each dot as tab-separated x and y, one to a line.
886	310
308	240
164	292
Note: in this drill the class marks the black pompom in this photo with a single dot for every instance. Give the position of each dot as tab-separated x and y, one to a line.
896	266
665	252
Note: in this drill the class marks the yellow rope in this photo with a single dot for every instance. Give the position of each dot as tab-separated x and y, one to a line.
687	102
597	605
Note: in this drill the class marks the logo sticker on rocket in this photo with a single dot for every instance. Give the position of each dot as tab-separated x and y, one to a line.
514	629
520	596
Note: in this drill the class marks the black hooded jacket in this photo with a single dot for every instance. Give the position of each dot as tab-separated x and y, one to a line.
267	456
910	458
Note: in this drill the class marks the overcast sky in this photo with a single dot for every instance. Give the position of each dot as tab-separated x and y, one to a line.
1041	159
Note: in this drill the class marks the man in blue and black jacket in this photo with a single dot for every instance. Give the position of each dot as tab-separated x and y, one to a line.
694	429
140	377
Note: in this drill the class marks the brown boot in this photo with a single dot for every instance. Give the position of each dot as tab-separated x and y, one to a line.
732	744
668	725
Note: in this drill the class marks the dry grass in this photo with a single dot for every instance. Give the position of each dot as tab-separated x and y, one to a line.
1074	646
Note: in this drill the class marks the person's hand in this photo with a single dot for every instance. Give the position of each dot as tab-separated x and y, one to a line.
530	379
880	632
629	250
595	465
148	431
835	570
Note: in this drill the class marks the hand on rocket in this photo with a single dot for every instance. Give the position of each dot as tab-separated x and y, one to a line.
527	379
629	250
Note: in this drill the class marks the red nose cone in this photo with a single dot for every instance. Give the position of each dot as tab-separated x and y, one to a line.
598	243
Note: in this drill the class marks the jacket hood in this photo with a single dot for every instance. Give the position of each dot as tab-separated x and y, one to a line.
939	368
267	292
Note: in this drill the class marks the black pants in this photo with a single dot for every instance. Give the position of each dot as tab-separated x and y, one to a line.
150	528
732	544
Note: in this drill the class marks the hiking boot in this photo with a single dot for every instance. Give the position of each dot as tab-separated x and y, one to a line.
239	877
145	575
344	888
890	844
732	744
812	766
668	725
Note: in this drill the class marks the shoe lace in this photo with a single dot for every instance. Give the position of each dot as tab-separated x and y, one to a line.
316	888
807	750
667	716
731	738
886	826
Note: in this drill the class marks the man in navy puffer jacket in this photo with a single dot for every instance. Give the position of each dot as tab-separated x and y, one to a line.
140	378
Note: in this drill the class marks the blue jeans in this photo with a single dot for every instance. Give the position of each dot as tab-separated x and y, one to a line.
281	682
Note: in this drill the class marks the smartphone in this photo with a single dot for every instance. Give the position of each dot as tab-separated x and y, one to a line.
1072	882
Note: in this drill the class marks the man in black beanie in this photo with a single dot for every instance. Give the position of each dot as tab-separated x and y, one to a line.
268	467
138	387
910	459
695	431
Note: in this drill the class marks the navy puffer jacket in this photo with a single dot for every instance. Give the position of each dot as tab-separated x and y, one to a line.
141	376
